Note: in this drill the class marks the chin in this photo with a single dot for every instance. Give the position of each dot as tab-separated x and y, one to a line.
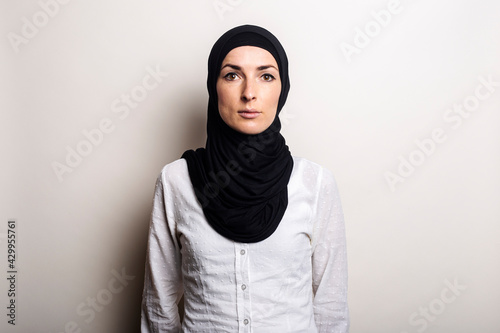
248	130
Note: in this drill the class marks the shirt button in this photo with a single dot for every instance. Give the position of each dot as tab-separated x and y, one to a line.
245	321
242	252
243	286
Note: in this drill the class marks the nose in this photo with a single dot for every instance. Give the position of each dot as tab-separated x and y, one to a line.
249	92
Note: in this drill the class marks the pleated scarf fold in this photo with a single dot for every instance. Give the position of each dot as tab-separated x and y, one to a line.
241	180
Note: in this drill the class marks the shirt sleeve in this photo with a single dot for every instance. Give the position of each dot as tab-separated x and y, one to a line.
329	260
163	278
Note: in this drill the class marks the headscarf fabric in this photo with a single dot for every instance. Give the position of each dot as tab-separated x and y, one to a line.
241	180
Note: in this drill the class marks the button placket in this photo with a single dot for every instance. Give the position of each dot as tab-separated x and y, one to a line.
245	287
242	287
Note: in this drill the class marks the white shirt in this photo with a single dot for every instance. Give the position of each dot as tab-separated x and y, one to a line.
293	281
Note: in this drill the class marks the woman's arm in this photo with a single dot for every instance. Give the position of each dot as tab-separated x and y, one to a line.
329	260
163	277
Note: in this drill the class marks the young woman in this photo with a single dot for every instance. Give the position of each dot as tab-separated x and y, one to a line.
252	237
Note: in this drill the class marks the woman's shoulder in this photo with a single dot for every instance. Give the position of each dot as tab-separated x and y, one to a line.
177	166
175	172
312	169
314	178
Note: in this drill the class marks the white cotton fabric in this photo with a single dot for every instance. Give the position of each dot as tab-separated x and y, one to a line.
293	281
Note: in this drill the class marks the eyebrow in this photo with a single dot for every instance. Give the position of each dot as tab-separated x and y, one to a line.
238	68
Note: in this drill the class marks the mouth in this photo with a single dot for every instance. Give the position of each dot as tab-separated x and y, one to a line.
249	114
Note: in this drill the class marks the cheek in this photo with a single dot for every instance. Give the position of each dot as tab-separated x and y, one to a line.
223	97
224	107
275	96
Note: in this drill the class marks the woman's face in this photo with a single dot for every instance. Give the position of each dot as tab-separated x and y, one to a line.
248	89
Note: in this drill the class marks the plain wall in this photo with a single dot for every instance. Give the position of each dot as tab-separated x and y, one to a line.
390	96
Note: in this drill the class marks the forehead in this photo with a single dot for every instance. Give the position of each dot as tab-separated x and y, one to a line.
249	55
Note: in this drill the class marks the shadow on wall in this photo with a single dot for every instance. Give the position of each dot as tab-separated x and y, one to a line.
194	121
136	258
186	129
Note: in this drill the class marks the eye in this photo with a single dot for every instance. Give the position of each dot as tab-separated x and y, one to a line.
268	77
231	76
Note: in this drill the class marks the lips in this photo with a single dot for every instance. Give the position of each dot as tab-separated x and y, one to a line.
249	114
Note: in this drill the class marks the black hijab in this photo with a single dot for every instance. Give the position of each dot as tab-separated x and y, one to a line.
241	180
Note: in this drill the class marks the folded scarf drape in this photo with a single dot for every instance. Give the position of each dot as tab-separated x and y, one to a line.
241	180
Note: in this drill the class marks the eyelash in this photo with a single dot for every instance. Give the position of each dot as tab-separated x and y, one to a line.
271	76
227	76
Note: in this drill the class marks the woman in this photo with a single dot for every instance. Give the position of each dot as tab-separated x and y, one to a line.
251	236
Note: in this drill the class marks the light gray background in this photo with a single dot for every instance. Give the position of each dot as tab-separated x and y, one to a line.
356	115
